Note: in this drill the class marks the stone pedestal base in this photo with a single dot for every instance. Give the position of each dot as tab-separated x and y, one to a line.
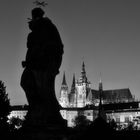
50	132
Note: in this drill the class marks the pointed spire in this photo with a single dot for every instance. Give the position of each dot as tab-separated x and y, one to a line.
73	84
64	92
83	69
64	79
64	85
83	77
100	83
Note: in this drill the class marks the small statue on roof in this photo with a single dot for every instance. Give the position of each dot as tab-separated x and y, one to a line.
38	3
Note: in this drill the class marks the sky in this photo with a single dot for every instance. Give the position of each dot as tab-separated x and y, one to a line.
105	34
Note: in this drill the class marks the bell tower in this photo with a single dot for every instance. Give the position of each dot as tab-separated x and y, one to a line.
64	93
82	88
73	94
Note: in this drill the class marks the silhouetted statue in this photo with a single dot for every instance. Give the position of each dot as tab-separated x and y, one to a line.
43	60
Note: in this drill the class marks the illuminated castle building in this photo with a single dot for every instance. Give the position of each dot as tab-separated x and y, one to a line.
81	93
117	104
80	90
81	96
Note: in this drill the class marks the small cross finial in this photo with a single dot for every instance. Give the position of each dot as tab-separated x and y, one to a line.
40	4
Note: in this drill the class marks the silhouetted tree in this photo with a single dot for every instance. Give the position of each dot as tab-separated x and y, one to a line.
113	124
130	126
4	107
81	121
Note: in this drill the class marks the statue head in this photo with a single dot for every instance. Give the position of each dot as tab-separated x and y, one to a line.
37	13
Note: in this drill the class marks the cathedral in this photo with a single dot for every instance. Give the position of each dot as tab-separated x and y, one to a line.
82	98
78	95
82	95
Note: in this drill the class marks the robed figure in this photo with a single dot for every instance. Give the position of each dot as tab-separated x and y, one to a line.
43	60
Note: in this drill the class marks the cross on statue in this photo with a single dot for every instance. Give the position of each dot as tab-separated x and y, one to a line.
38	3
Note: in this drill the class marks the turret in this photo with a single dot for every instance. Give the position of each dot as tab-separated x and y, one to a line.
83	88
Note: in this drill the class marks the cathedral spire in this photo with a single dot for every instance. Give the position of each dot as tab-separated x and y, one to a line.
64	79
64	93
72	92
83	77
64	85
73	84
83	72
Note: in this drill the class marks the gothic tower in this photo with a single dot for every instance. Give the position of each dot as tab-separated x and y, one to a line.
82	86
73	94
64	102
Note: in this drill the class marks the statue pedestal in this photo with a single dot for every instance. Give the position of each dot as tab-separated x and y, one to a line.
43	133
43	119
